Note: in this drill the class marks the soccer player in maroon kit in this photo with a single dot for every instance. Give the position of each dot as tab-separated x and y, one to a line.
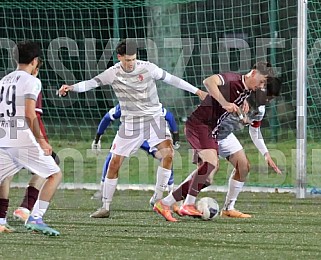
227	91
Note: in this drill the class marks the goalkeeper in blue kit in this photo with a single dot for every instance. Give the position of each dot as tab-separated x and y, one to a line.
114	114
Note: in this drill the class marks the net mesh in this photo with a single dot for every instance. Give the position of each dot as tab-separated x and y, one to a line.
190	39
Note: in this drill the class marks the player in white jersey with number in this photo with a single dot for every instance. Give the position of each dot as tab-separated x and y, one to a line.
134	83
21	142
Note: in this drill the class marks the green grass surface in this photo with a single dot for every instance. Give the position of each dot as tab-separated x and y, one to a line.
282	228
81	165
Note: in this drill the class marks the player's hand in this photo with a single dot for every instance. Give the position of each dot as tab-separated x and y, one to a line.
242	116
245	107
201	94
176	145
63	91
47	148
231	107
271	163
96	147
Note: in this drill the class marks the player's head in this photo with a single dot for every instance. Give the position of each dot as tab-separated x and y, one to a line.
257	77
126	54
273	87
265	95
27	52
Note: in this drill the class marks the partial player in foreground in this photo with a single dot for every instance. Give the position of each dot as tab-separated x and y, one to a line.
22	144
31	194
227	92
110	116
134	83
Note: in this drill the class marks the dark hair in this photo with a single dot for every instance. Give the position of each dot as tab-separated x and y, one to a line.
264	67
127	47
40	63
262	96
25	52
273	87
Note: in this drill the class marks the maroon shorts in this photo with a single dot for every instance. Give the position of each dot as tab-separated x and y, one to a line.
200	136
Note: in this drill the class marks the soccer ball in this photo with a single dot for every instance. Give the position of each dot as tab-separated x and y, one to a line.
209	207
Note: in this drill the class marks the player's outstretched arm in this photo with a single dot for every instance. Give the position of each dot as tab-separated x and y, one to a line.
82	86
257	138
271	163
64	89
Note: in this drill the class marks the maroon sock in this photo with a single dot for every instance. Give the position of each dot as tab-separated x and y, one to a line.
199	179
30	198
4	204
181	191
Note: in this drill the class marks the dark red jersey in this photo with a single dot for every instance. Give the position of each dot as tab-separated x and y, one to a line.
39	113
210	112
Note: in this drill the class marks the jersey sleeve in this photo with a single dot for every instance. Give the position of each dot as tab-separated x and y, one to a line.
32	88
156	72
107	77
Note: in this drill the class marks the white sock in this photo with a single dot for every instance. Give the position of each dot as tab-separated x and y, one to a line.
170	188
234	188
3	221
169	200
162	178
108	191
190	200
40	208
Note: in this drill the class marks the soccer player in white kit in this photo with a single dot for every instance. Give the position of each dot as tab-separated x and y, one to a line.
21	144
134	83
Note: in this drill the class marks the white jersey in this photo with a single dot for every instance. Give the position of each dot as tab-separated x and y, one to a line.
14	89
136	90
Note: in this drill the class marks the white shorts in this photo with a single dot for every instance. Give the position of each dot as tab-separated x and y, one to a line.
130	137
13	159
229	146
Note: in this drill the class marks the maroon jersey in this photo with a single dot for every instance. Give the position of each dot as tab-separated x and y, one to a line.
39	104
39	113
210	112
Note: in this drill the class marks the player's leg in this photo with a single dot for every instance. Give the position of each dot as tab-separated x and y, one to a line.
208	167
8	167
109	186
99	194
205	145
122	147
34	159
235	185
4	204
164	170
31	195
198	136
231	149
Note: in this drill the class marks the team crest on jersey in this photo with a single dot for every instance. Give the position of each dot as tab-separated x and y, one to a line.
140	77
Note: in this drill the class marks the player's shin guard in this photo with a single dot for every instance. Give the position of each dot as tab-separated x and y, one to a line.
30	198
4	204
108	192
204	170
163	176
199	179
